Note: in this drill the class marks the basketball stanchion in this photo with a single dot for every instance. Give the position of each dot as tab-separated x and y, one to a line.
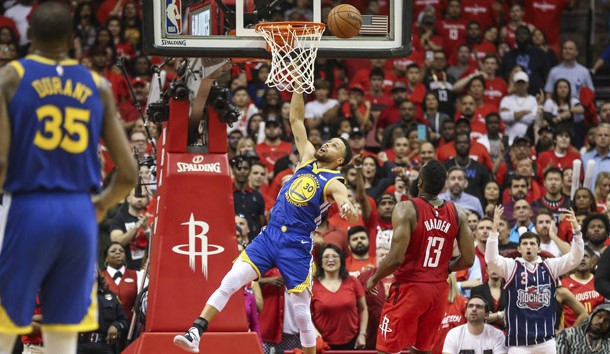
289	43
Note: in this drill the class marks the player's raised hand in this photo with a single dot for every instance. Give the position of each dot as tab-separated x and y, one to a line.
498	211
572	219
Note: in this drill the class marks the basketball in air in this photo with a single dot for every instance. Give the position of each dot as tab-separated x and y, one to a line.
344	21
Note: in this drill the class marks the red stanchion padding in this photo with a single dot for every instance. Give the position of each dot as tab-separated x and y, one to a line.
177	127
217	142
193	244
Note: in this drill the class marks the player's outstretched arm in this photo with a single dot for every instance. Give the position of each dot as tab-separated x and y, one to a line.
297	124
402	217
465	243
114	137
338	192
9	79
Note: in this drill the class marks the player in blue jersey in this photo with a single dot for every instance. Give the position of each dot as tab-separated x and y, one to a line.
531	283
286	242
52	114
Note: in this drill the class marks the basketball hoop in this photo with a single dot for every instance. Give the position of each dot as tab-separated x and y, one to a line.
293	46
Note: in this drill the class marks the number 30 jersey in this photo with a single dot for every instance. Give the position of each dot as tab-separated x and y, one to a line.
431	245
56	120
302	200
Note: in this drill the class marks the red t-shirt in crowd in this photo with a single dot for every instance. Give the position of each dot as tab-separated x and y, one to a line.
454	316
420	5
482	49
495	90
336	314
431	245
356	266
480	11
585	293
546	15
478	152
549	159
453	33
270	154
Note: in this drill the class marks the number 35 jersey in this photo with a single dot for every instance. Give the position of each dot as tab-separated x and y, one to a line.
56	120
431	245
302	200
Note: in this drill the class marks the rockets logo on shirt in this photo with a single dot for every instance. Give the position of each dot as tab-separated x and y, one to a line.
533	297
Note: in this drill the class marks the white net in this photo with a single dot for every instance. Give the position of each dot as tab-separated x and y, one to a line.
293	47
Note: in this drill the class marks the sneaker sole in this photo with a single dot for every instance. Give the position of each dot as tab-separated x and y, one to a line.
184	344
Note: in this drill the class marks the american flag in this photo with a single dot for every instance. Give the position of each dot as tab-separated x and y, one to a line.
374	25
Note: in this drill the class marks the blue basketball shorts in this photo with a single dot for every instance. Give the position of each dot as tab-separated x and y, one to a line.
285	249
48	243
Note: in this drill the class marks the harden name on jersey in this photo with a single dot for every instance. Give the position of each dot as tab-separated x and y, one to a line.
437	224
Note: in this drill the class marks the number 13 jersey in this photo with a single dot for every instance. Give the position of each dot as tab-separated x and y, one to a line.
56	120
431	245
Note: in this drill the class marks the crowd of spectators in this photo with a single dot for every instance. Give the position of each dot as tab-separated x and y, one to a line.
489	90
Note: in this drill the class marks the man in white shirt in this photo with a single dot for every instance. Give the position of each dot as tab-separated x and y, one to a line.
476	336
518	110
314	110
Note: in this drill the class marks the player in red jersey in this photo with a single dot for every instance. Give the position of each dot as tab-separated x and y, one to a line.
420	258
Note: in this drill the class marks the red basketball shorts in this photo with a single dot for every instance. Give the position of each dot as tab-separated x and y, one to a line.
411	316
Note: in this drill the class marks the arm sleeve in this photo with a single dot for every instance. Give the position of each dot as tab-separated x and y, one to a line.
550	106
550	81
507	116
568	261
602	275
501	265
530	117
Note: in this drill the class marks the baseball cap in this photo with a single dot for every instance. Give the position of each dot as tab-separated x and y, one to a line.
356	131
399	85
272	121
521	139
428	19
356	87
138	81
521	76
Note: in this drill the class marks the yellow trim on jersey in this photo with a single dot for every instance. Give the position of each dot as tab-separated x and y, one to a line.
317	169
87	324
303	164
96	78
8	326
326	186
43	60
18	68
306	284
244	257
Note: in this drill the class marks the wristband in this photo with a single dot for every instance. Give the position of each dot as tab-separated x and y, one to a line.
358	167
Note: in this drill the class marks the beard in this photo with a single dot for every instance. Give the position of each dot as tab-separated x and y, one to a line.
322	157
360	249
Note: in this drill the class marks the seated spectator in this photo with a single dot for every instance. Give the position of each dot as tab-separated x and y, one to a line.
602	188
359	260
477	152
473	220
520	109
525	168
455	314
437	80
592	336
515	19
463	67
476	174
563	154
379	223
553	200
491	196
494	294
520	149
475	336
273	148
523	220
129	227
595	231
121	280
338	305
315	111
544	226
456	184
561	110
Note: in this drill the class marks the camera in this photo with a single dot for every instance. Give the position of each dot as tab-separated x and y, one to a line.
158	111
219	99
178	90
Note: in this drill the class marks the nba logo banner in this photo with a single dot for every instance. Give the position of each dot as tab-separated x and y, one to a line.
173	16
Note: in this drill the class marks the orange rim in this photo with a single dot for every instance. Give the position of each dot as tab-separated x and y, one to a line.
281	37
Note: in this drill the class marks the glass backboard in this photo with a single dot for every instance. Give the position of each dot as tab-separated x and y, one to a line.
225	28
